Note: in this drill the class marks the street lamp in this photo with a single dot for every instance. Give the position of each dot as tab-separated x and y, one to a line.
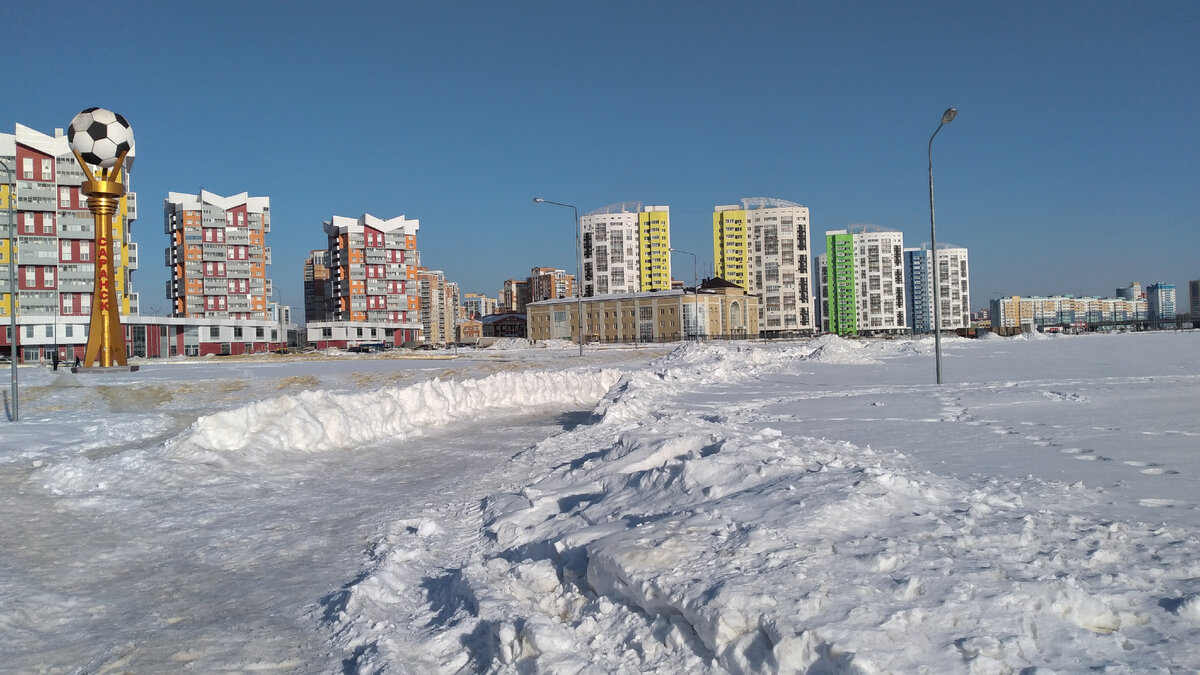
695	288
947	117
578	262
12	286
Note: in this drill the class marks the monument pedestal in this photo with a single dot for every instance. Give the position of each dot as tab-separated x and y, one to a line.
100	370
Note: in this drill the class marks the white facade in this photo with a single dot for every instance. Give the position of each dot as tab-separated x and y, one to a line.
1160	300
779	249
610	250
954	291
878	273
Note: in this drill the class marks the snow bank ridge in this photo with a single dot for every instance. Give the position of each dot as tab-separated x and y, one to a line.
319	421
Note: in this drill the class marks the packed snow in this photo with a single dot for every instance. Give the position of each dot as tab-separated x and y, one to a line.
745	507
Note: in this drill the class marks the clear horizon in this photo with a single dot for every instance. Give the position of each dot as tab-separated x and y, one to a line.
1069	170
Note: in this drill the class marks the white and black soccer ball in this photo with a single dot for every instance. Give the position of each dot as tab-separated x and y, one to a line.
100	136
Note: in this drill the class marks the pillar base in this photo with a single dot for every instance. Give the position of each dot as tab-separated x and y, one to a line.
100	370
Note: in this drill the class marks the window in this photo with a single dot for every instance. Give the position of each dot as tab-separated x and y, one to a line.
30	278
214	332
66	250
47	169
64	197
47	223
27	168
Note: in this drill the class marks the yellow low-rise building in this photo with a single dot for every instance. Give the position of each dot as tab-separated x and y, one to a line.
718	310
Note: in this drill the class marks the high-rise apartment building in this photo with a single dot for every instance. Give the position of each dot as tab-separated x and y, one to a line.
954	292
729	244
439	306
55	239
514	296
862	281
548	283
1194	301
373	272
654	251
218	255
1131	292
317	289
626	249
1160	301
476	305
764	246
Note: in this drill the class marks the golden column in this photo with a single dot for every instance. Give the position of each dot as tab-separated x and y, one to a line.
103	138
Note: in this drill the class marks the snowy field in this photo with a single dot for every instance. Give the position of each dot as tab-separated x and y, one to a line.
814	506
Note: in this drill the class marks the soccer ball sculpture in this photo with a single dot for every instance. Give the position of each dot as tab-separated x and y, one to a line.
100	136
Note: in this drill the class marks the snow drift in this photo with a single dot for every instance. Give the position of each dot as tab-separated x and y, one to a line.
321	421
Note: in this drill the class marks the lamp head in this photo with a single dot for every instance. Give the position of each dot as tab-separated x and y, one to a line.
538	200
949	115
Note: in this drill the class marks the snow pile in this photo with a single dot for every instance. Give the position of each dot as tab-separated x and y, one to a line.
672	541
319	421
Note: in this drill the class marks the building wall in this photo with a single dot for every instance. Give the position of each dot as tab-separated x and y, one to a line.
218	255
55	231
1194	300
152	337
647	317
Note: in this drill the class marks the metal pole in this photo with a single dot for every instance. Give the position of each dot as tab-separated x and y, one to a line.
12	285
947	117
578	262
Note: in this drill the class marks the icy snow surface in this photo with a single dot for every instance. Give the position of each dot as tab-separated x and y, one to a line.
809	506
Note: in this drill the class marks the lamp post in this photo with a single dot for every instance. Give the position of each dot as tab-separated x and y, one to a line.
947	117
578	263
695	288
12	285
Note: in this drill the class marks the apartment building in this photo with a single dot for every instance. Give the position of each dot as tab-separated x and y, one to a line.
1036	312
218	255
626	249
954	288
764	246
548	283
718	309
439	306
1194	301
317	290
1160	300
476	305
514	296
55	242
730	244
862	281
373	265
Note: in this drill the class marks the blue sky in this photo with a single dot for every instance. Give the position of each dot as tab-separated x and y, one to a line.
1073	166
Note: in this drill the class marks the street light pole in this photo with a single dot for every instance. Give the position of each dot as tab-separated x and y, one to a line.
12	285
947	117
578	263
695	289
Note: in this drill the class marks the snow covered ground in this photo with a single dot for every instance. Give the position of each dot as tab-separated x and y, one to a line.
814	506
